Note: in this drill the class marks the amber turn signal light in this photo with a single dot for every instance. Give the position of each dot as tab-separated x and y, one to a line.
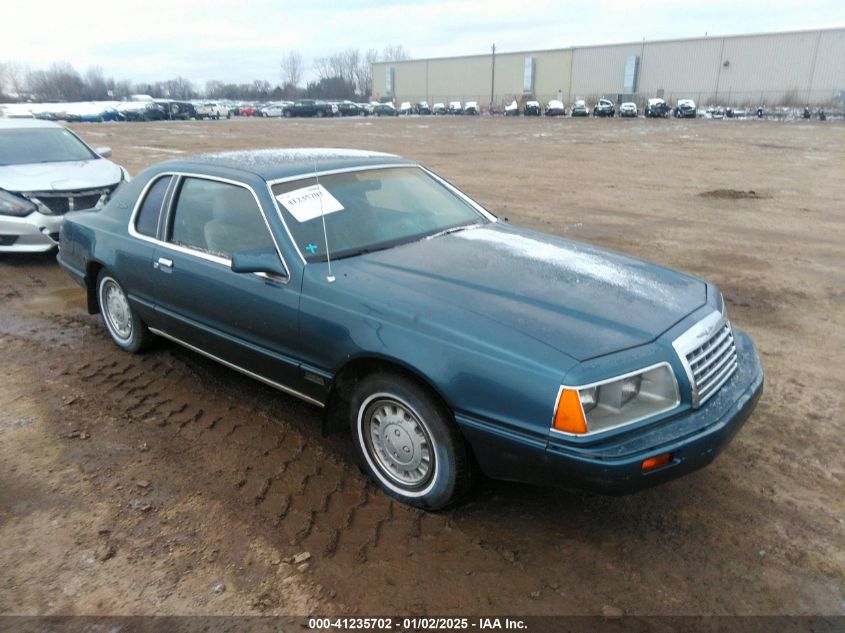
656	462
569	416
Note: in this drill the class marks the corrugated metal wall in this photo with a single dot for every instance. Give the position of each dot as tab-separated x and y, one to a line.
680	69
773	69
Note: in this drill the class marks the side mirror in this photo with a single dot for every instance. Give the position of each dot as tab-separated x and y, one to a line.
261	260
105	152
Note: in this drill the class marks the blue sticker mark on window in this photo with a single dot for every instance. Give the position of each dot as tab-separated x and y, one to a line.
311	248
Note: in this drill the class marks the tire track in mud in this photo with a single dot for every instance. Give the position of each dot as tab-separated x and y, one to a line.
295	487
297	491
258	454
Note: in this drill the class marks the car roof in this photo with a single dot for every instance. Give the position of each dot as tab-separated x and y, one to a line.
6	124
273	164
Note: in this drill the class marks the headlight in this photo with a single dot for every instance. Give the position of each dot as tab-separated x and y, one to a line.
11	204
615	402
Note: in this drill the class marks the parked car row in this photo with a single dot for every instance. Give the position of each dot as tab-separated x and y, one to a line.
655	108
145	108
580	108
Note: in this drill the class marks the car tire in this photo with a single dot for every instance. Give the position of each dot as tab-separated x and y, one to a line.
287	114
320	114
122	322
396	423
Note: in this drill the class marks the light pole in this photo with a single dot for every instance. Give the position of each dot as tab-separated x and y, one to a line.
492	78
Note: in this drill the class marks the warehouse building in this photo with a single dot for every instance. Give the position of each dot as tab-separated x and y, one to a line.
772	69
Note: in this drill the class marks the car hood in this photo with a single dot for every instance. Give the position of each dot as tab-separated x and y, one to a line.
581	300
61	176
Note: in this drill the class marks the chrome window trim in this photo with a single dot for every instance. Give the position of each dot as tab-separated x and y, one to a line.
251	374
599	383
168	207
475	205
692	338
344	170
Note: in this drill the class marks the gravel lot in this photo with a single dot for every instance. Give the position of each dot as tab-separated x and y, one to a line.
164	483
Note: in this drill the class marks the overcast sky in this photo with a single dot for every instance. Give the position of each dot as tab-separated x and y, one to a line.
242	40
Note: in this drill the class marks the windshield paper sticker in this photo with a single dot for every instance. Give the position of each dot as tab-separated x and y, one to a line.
304	204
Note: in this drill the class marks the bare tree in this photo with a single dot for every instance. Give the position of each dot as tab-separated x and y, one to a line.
325	68
97	86
13	79
394	53
122	89
291	65
60	81
215	89
178	88
364	83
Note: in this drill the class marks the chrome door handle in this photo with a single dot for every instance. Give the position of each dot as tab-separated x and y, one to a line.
163	262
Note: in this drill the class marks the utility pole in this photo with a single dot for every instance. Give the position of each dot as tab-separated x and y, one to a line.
492	78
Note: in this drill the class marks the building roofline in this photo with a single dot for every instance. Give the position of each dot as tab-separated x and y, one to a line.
563	49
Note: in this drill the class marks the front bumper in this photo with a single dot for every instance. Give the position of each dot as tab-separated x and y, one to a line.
35	233
693	438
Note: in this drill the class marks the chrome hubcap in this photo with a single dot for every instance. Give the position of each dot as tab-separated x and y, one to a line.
399	442
117	310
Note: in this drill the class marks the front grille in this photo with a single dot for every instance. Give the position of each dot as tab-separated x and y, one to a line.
711	363
60	202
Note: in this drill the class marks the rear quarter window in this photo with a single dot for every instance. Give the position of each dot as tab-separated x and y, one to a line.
148	215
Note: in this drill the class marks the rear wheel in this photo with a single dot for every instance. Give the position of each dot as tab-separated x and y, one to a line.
407	441
125	327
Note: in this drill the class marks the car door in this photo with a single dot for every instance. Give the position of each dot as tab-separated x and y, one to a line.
249	320
138	253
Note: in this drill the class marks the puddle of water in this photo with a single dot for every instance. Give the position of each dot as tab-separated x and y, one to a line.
60	301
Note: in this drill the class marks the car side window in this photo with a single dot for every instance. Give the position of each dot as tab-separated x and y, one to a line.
217	218
148	215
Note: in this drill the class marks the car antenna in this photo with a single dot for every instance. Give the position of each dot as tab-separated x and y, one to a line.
330	278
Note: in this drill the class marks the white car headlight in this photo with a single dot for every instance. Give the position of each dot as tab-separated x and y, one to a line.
617	401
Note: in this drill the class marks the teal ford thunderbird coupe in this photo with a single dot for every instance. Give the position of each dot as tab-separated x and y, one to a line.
450	343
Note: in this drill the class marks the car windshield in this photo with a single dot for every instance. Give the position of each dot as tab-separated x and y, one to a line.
370	210
41	145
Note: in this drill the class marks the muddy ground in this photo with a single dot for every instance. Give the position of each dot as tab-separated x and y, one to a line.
164	483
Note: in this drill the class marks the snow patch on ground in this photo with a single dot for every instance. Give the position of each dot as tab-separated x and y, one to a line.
159	150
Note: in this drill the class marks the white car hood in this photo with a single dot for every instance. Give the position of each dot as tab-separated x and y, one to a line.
61	176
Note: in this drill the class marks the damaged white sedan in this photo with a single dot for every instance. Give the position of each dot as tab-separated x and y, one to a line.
45	172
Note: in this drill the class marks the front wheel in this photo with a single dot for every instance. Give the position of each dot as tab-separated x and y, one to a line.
408	443
125	327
